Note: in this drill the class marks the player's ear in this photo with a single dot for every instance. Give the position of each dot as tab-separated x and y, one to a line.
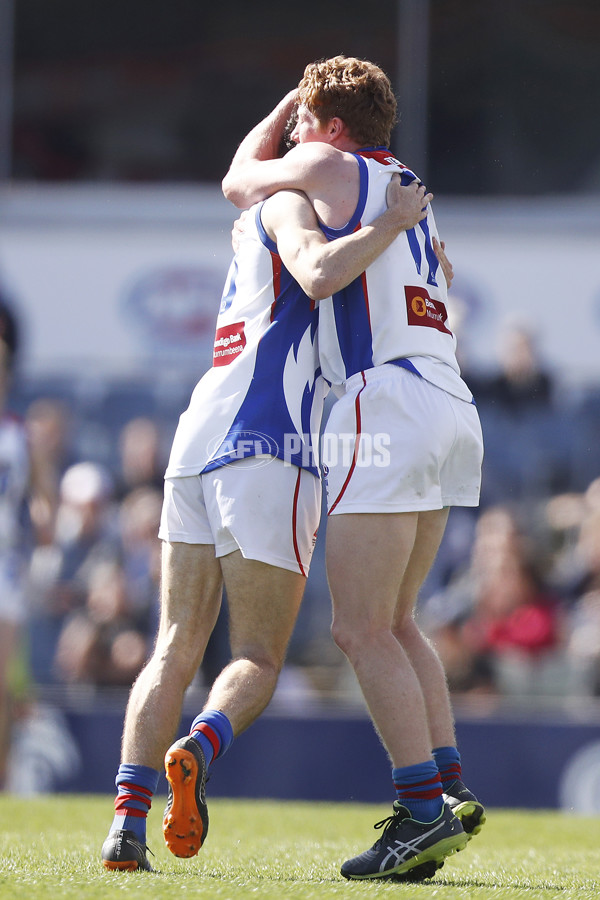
336	127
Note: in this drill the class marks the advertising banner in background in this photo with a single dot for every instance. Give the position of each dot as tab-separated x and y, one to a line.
119	281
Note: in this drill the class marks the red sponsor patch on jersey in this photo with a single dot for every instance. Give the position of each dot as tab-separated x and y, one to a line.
421	309
382	156
230	340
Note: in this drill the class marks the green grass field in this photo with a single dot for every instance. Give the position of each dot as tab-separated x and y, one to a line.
260	849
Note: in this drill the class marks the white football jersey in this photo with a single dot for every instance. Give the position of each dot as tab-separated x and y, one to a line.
264	393
396	311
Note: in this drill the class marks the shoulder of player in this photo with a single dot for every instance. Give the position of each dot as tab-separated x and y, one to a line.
286	206
316	156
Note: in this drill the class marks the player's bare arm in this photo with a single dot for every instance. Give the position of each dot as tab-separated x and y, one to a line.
261	144
307	167
324	267
325	174
394	196
264	140
316	167
258	170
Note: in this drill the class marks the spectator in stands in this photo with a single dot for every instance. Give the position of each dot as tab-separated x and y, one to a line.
141	458
576	517
514	614
139	517
19	482
105	642
85	530
112	594
577	568
49	430
85	535
522	382
498	614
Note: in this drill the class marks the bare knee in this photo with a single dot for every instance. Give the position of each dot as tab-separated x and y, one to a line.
177	658
360	640
405	628
267	664
416	644
247	685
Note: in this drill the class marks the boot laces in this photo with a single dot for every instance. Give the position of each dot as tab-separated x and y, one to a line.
390	822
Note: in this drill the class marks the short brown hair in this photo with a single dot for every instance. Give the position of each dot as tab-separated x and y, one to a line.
356	91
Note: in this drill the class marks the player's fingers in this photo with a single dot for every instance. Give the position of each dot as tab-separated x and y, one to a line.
426	200
394	190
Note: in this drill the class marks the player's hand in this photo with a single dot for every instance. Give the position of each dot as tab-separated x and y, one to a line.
237	232
439	250
409	202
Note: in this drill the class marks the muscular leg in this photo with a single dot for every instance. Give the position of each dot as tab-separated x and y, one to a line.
190	601
263	605
423	657
431	675
367	559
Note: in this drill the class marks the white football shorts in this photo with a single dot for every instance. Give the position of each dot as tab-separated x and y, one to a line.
268	510
397	443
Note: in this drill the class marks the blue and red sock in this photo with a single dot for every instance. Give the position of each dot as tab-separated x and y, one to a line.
419	789
212	729
447	759
136	786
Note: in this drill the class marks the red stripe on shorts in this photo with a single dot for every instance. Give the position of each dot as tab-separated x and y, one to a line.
294	521
356	443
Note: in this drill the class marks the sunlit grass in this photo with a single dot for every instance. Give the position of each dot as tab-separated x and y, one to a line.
50	847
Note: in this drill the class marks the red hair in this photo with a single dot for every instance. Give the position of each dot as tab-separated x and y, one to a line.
356	91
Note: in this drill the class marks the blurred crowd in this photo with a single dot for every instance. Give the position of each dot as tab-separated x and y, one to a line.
512	602
515	609
93	577
521	617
